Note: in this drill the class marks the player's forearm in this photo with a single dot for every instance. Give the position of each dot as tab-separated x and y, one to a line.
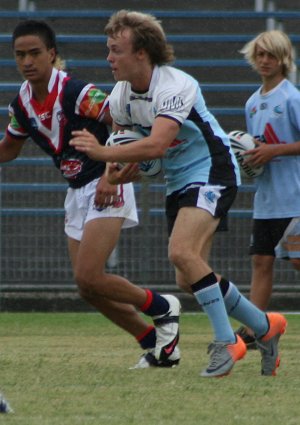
9	149
287	149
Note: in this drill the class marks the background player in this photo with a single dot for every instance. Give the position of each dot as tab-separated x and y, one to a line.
272	117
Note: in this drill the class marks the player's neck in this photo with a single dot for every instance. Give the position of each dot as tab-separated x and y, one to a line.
40	92
40	87
269	83
141	82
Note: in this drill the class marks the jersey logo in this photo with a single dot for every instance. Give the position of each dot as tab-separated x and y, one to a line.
253	111
45	116
263	106
278	110
175	103
210	196
60	116
70	167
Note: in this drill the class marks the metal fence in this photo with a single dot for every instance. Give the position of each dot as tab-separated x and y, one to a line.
33	244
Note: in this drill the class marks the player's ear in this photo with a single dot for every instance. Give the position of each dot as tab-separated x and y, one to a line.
141	54
52	55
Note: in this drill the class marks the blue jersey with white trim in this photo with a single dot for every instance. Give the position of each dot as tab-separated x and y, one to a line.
201	151
274	118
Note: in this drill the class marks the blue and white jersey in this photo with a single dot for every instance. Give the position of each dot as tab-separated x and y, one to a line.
275	118
201	152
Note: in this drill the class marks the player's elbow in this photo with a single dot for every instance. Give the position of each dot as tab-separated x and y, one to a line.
157	151
10	149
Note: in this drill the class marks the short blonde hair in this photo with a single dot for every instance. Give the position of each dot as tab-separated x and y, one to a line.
275	42
147	34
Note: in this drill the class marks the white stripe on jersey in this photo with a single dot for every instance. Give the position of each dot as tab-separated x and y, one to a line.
80	97
53	134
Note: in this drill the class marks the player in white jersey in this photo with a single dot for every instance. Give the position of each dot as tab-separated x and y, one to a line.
49	105
200	170
201	149
272	117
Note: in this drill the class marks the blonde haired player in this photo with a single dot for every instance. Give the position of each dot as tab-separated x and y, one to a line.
272	117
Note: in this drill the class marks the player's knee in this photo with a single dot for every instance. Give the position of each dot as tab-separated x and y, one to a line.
84	286
296	263
177	257
86	281
262	263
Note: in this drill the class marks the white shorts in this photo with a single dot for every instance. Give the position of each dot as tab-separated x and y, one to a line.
289	245
80	208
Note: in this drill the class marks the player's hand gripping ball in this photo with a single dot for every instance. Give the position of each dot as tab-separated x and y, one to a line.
148	168
240	143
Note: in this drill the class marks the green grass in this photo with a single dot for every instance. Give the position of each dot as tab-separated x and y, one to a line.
72	369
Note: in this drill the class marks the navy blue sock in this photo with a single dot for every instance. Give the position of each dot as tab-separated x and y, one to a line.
147	339
155	305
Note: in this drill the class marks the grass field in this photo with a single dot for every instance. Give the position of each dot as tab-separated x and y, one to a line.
72	369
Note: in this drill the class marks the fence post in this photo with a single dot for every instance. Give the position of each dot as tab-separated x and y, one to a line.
271	22
26	5
259	5
293	77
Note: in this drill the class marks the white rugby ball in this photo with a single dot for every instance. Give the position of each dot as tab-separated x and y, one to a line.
240	143
148	168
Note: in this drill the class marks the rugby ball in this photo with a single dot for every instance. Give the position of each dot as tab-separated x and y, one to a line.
240	143
148	168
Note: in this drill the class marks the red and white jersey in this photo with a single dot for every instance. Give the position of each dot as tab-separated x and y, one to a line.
70	105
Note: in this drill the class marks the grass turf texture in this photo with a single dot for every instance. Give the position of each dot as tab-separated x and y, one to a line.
69	369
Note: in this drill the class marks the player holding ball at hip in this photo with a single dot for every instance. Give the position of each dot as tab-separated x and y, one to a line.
201	176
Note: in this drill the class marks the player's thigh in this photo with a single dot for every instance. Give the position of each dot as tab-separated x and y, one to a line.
73	247
193	231
100	236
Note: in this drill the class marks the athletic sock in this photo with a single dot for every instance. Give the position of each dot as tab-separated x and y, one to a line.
148	338
208	294
155	304
243	310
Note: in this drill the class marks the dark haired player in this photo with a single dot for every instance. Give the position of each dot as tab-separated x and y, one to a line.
48	107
